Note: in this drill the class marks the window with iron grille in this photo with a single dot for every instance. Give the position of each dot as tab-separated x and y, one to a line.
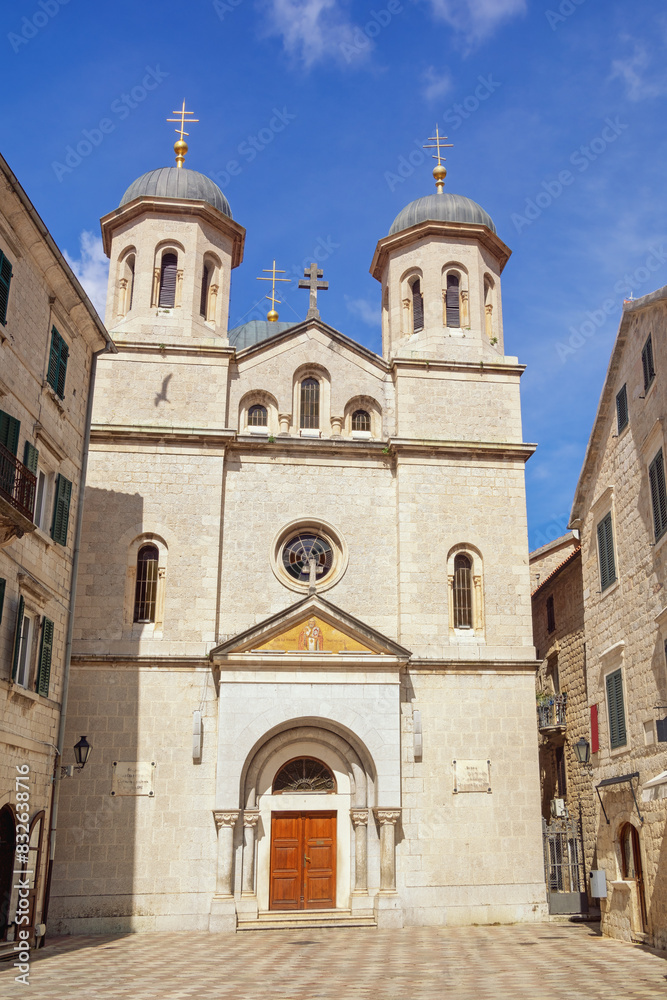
551	617
168	269
417	307
300	549
146	588
57	370
622	409
606	552
5	281
452	301
647	363
361	421
257	416
310	403
616	709
462	592
656	475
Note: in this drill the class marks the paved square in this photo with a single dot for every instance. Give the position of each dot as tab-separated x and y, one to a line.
550	960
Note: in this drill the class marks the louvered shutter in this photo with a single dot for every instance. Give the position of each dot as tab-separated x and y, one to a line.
30	457
417	307
168	281
54	359
62	369
616	707
61	510
606	552
656	473
17	636
595	733
622	409
45	654
9	432
453	311
3	585
647	363
5	280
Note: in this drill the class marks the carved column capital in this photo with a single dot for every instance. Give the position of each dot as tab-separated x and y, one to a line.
385	816
225	817
251	818
359	817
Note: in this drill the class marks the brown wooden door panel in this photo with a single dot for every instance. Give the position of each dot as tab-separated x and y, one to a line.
303	861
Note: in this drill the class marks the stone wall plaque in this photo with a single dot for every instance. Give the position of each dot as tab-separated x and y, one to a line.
132	777
472	775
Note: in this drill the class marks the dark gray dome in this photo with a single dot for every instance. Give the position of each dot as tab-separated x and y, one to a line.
177	182
443	207
255	331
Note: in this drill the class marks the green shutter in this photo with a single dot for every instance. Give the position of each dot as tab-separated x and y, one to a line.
622	409
17	636
3	584
9	432
616	707
30	456
45	654
57	369
5	281
606	552
61	510
656	475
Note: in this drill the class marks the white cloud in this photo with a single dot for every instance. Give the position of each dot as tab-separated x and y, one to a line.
476	19
367	312
634	72
436	84
313	30
91	268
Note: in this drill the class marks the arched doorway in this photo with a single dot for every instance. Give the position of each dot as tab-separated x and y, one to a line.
7	849
631	868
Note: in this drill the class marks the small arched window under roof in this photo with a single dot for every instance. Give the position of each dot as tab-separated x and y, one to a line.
168	269
146	586
257	416
361	420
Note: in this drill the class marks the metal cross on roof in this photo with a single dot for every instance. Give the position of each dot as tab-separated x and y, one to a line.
313	273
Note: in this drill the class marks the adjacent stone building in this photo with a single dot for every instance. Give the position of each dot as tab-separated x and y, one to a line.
620	511
305	663
49	337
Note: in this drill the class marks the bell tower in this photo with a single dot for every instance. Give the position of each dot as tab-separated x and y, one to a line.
440	268
172	245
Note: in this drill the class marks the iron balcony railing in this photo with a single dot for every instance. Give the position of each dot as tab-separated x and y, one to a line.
17	483
551	713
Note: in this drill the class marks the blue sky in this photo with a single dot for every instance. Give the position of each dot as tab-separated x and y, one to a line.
310	111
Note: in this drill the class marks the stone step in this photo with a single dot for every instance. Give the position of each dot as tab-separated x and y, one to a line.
305	919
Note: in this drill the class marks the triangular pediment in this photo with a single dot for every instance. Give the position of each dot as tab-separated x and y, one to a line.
312	627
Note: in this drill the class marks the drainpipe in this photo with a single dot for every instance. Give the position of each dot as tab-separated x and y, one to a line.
110	348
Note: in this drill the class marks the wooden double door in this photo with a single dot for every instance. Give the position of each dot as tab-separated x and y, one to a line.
303	861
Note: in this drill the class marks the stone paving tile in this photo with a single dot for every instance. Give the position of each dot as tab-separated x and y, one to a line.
521	962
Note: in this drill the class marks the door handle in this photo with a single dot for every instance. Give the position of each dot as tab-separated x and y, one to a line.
305	859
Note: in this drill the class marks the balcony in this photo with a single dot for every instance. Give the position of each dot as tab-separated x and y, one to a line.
551	712
17	497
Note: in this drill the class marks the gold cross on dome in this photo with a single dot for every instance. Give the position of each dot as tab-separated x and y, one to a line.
439	172
273	271
181	146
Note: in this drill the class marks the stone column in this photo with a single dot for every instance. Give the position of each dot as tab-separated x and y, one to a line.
284	420
337	426
225	821
387	818
359	819
250	821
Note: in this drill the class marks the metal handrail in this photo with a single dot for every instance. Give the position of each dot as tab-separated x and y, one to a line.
18	485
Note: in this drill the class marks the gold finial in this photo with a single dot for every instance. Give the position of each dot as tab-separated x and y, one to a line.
272	315
439	172
181	146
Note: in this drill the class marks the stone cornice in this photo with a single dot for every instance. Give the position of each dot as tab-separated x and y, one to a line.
438	666
139	434
165	350
501	449
174	206
459	231
475	368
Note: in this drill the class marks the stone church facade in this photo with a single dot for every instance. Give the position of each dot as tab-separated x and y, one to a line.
303	649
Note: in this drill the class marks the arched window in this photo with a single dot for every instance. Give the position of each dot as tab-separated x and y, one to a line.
452	303
310	403
168	271
462	592
146	587
257	416
205	285
305	774
361	420
417	306
129	275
